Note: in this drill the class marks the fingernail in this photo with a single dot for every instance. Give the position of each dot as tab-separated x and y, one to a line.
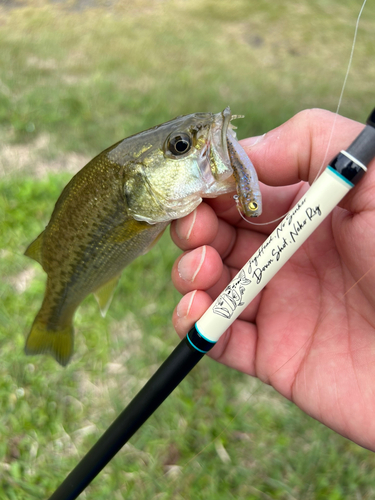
191	263
184	306
185	225
252	141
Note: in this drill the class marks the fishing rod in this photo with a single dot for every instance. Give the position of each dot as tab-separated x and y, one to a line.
339	177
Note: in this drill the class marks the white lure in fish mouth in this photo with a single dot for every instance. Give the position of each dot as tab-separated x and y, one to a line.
249	198
225	166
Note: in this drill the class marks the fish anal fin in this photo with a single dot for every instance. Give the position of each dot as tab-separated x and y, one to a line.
105	293
58	343
34	250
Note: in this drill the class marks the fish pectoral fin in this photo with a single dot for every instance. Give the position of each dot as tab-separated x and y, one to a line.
105	293
34	250
153	242
58	343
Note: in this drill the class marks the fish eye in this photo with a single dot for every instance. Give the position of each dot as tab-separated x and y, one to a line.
179	144
253	205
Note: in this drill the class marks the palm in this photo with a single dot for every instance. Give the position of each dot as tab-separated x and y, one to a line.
311	331
316	338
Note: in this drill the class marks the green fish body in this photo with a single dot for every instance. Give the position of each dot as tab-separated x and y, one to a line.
115	209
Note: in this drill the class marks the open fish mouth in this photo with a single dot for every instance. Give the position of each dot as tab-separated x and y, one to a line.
248	198
222	132
214	160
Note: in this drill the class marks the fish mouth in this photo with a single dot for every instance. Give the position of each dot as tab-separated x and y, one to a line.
218	164
215	159
227	116
224	131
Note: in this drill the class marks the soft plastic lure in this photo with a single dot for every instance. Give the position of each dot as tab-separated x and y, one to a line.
249	199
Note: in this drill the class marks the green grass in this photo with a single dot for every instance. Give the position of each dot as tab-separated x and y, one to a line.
74	80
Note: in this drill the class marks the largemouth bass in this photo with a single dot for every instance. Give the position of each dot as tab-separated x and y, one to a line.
117	207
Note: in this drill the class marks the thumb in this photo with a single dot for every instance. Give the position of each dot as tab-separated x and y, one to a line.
300	147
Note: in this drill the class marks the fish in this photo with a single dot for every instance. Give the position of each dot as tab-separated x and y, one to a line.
117	207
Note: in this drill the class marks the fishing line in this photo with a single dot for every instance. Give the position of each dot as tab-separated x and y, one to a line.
227	428
324	162
335	182
342	91
250	396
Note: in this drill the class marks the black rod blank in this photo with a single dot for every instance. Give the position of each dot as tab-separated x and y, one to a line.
174	369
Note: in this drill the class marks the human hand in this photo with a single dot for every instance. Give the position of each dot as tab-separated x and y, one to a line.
311	332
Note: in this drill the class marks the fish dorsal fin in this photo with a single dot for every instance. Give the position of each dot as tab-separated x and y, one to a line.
34	250
105	293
